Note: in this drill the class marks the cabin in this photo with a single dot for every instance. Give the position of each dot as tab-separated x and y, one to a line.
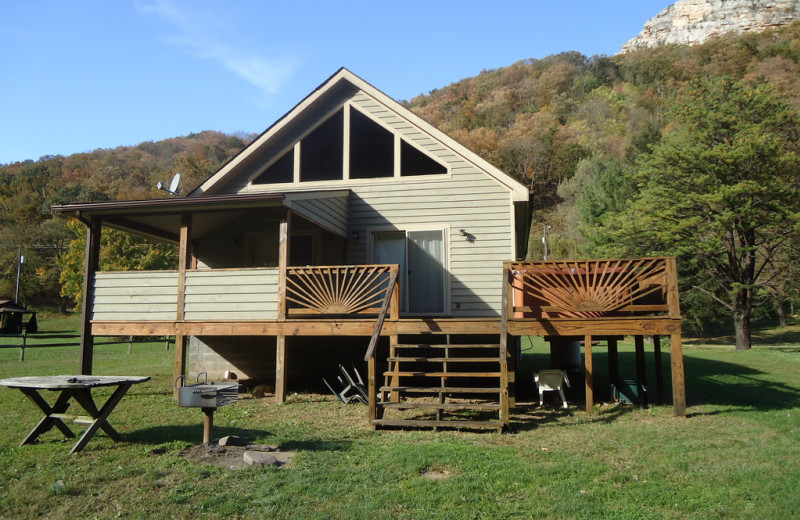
350	231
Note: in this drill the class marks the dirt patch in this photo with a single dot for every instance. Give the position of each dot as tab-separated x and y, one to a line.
436	473
232	457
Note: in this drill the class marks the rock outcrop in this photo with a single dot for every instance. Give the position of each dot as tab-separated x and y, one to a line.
690	22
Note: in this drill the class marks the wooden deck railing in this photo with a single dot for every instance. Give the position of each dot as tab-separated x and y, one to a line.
338	290
594	288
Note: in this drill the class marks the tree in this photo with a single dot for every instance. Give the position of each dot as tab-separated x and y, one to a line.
721	190
119	251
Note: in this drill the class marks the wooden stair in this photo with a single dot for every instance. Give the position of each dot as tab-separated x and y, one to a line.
450	385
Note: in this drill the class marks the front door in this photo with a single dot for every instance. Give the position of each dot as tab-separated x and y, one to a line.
421	257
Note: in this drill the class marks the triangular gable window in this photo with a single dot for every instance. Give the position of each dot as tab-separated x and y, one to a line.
279	172
414	162
371	154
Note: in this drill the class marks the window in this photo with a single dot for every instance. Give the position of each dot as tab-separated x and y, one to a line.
278	172
321	151
371	148
371	153
414	162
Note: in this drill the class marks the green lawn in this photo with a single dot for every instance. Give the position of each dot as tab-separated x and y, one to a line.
735	455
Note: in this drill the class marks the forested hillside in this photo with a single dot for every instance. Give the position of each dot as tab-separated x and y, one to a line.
580	131
29	188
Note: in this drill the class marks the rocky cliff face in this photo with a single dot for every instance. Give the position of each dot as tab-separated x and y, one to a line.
690	22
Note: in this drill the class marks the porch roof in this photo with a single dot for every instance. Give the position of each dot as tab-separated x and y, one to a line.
161	218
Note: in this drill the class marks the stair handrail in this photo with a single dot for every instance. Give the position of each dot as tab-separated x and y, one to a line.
382	315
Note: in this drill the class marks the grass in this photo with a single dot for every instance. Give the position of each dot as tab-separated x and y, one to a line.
734	456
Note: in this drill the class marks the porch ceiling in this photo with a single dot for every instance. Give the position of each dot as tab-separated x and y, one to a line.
161	218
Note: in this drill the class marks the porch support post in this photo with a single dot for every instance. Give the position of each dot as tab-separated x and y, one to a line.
91	261
589	374
280	341
678	382
659	369
184	262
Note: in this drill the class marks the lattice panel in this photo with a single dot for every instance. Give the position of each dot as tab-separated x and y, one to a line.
592	288
337	289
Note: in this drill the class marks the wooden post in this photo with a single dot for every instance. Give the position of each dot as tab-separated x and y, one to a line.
92	259
613	361
371	391
678	382
280	369
659	370
283	262
506	306
280	341
673	300
589	374
641	376
22	346
513	356
184	262
130	345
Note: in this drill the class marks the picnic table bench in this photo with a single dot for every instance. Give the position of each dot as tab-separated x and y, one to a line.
78	388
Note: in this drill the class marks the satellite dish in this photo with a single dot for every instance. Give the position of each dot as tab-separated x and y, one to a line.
173	186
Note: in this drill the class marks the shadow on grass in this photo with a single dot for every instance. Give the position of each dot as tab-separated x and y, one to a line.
157	435
729	384
708	382
316	445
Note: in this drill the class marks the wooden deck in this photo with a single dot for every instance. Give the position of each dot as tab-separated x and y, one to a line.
583	299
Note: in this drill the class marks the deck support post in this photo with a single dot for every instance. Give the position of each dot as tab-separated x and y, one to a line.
92	259
589	374
659	369
179	368
613	361
280	369
678	382
641	373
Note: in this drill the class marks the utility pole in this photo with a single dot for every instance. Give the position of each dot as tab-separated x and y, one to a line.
545	229
20	261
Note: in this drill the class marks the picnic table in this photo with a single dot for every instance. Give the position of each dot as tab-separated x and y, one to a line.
78	388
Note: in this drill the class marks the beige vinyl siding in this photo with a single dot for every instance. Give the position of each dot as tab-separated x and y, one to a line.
219	294
328	212
135	295
467	198
232	294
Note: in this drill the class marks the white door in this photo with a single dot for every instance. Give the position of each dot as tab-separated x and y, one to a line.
421	257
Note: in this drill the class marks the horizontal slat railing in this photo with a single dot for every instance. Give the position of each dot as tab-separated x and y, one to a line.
593	288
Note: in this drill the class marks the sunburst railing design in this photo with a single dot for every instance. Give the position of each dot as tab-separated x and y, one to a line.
591	288
339	290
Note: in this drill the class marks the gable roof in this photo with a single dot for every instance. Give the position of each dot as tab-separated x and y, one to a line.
344	79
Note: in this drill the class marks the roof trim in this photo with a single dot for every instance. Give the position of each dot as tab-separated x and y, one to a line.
519	192
181	205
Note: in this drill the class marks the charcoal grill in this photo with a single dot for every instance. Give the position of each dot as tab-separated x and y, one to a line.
208	397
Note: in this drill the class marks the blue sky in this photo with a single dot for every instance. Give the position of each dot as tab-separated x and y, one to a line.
81	75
